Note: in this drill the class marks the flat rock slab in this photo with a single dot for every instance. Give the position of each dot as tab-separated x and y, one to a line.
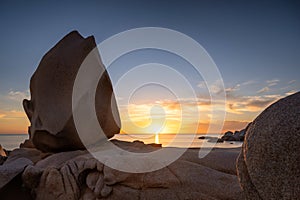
77	175
10	170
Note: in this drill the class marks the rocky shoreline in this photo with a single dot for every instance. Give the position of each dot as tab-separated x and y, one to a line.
228	136
77	175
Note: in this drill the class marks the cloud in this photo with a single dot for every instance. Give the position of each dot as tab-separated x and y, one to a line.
201	85
242	104
13	121
272	82
12	114
215	87
263	90
260	103
18	95
291	92
248	82
291	82
233	89
240	108
234	125
238	87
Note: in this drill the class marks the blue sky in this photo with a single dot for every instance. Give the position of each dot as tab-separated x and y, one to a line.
255	44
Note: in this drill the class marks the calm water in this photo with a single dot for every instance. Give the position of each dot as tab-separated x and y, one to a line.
12	141
173	140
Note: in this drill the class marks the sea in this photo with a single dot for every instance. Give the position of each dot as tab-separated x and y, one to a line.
12	141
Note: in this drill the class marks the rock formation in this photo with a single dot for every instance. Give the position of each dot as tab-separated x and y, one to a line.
236	136
268	165
77	175
51	86
228	136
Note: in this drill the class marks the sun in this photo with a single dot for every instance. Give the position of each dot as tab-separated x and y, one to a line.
151	119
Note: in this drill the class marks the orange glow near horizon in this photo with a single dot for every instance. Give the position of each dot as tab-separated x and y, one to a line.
13	122
153	118
142	118
139	119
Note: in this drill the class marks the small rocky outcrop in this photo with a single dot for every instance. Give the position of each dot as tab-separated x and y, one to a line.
236	136
268	165
228	136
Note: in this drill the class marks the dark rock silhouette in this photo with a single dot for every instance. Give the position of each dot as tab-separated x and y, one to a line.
51	86
268	165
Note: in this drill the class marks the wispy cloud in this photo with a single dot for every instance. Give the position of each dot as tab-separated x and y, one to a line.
215	87
272	82
201	84
242	104
263	90
248	82
291	92
13	121
238	87
292	82
233	89
198	110
234	125
12	114
18	95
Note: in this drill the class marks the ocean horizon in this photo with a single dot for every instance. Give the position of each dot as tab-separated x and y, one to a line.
10	141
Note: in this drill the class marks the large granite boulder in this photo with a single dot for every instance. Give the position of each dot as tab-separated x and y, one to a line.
51	86
268	165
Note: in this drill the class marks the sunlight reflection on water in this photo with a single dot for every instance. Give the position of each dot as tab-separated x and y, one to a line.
167	140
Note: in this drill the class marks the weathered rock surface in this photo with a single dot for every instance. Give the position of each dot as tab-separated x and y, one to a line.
77	175
17	161
10	170
268	165
51	86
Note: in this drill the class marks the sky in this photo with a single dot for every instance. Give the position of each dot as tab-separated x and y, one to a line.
255	45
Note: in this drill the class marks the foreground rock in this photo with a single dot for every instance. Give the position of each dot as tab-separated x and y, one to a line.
2	152
268	166
51	86
3	155
77	175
